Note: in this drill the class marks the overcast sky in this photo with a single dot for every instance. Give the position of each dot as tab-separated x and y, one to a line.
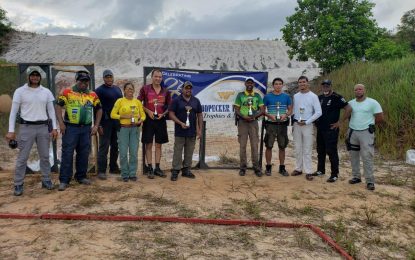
180	19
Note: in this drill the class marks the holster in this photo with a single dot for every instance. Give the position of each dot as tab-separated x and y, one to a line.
349	146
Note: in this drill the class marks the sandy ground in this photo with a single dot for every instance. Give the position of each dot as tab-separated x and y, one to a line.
369	225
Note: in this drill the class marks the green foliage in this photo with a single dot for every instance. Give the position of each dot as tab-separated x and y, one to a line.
332	32
406	30
386	48
5	25
391	83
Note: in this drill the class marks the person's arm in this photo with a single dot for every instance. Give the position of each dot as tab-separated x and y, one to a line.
52	116
141	112
58	110
199	125
115	110
98	117
173	117
317	111
346	116
11	135
379	118
262	111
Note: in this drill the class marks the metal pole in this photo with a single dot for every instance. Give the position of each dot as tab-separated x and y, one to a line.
261	145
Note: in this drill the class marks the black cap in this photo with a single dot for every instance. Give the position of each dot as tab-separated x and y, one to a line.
82	75
188	84
326	82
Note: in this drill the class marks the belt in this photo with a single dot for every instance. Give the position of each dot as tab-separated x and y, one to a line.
128	126
42	122
77	125
276	123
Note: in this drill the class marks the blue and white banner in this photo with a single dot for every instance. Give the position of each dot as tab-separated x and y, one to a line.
216	91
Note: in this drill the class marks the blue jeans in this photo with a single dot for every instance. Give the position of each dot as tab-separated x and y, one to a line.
128	139
75	138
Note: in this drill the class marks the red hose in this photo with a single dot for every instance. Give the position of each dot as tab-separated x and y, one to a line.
231	222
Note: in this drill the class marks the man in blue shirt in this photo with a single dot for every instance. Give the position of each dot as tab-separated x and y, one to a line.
108	93
186	112
279	108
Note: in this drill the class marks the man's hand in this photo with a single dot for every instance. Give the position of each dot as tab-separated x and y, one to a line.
272	118
283	117
62	128
94	130
335	125
248	118
54	134
301	123
100	130
11	136
184	126
198	134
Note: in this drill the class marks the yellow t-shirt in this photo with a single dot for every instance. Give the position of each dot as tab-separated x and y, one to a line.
124	106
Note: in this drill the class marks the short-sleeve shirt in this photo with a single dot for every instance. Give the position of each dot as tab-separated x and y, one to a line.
277	104
179	106
242	101
149	97
108	95
363	113
79	105
330	106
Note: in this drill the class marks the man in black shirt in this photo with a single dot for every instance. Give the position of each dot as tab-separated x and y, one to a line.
328	129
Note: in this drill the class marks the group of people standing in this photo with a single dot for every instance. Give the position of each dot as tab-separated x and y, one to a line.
118	118
307	110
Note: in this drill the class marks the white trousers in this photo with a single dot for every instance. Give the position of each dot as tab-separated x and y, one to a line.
303	145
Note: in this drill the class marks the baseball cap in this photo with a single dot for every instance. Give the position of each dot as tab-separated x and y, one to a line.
326	82
187	84
33	70
249	79
82	75
107	73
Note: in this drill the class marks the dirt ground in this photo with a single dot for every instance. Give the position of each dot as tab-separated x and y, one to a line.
369	225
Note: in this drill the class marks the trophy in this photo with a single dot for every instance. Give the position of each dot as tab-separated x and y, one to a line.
250	106
188	108
302	109
132	112
155	101
278	111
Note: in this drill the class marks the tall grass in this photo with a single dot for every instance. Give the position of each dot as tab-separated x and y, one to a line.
392	84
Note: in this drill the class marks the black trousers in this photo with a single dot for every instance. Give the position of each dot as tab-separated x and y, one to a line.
109	138
327	145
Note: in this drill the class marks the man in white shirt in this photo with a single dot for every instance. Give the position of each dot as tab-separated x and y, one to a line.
360	138
35	103
306	110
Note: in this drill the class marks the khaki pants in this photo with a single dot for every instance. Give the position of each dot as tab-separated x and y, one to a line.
366	141
245	130
303	145
186	144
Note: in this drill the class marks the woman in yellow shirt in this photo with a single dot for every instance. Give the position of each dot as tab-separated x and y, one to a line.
130	112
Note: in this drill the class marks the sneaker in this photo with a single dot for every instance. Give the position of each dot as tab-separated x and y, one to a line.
318	173
18	190
309	176
146	169
283	171
332	179
258	172
150	173
125	179
242	172
355	180
159	172
370	186
174	175
296	173
188	174
268	170
102	176
84	181
63	186
47	185
133	178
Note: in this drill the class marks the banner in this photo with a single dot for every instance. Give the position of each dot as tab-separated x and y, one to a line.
216	91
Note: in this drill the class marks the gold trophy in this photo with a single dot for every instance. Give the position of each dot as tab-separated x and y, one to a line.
250	113
155	101
302	109
188	108
278	111
132	112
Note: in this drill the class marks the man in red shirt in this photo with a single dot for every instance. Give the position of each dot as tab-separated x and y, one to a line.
156	100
